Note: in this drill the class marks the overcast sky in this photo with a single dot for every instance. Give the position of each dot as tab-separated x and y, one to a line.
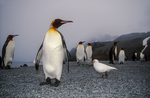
91	19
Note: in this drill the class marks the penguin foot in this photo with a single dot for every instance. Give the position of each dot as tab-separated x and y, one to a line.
7	67
121	63
48	81
56	84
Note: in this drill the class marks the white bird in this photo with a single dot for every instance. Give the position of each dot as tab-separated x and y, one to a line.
102	68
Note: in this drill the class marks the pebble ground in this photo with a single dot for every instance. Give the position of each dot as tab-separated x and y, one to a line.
131	80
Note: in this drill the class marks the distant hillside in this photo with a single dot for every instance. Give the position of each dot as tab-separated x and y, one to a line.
131	42
132	36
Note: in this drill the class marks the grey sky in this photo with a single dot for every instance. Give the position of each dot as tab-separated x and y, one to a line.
91	19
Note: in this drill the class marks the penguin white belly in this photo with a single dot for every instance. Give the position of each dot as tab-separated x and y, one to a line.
115	51
80	53
141	56
53	54
89	53
121	56
9	52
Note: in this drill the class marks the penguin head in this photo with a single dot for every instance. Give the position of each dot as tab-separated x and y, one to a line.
115	43
81	42
58	22
11	36
89	44
122	48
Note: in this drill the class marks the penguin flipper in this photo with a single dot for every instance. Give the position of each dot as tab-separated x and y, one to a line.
65	47
38	59
4	50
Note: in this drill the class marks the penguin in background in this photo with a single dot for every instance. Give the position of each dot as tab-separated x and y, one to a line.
89	52
8	51
143	57
113	53
134	56
53	53
80	53
121	56
38	57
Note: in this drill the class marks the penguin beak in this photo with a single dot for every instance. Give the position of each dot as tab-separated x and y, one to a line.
64	21
15	35
83	41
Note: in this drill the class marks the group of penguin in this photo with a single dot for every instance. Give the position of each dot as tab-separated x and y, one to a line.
143	56
113	54
54	52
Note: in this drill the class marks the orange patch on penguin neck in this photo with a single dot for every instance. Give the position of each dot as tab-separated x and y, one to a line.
52	22
80	45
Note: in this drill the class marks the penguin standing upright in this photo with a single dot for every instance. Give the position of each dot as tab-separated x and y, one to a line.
38	57
80	53
121	56
113	53
89	52
8	51
53	53
134	56
142	57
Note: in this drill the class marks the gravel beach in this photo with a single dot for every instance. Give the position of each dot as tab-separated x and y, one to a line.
130	80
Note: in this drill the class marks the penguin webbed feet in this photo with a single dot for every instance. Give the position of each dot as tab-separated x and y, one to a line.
48	81
56	84
7	67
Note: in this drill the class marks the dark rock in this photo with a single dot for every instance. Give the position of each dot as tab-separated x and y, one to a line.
25	65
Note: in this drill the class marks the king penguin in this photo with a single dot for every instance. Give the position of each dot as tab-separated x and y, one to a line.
89	52
80	53
121	56
142	57
113	53
38	57
8	51
134	56
53	53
